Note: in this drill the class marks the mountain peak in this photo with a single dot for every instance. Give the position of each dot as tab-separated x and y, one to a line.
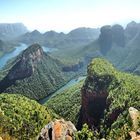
27	62
33	50
35	32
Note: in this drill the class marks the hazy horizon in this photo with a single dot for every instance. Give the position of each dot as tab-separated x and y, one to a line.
64	15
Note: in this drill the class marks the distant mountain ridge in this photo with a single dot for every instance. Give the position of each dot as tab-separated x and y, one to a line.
11	30
54	39
115	43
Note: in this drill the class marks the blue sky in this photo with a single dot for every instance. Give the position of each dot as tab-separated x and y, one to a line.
64	15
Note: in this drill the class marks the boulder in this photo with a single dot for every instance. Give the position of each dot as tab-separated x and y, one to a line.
135	116
57	130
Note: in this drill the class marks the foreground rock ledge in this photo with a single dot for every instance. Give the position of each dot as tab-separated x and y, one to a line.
58	130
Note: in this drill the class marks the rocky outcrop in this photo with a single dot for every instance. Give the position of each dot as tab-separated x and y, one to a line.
9	31
135	117
57	130
94	92
27	63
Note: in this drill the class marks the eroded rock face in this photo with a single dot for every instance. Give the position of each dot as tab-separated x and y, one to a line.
57	130
27	63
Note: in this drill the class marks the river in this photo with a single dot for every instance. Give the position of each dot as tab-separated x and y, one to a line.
69	84
17	51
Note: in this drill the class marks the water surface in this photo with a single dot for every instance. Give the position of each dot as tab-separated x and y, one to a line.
69	84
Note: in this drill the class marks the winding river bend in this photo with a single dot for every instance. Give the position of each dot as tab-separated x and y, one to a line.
69	84
18	49
10	55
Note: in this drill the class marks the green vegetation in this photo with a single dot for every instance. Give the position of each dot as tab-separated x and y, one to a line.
21	117
100	67
6	47
86	134
67	104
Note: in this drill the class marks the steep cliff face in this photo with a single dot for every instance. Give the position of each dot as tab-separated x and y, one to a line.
9	31
95	92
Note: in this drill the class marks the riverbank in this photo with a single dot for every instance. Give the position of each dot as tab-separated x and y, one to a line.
67	85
